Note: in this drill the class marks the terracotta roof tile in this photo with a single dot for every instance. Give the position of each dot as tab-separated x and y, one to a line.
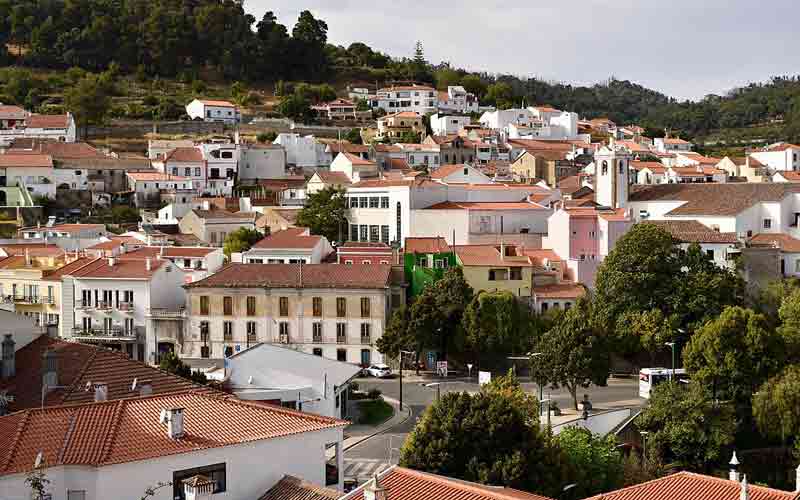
193	155
357	160
127	430
123	268
782	241
78	364
721	199
294	488
348	147
486	205
406	484
14	159
427	245
692	231
559	291
691	486
212	102
329	177
47	121
296	237
290	276
489	255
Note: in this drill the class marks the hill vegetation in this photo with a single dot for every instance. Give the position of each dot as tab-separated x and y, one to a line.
216	40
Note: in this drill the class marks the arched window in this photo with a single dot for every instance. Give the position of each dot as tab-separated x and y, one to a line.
605	168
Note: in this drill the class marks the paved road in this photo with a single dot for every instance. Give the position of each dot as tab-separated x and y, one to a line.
384	449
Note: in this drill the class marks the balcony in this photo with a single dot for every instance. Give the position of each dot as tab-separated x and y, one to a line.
83	304
341	339
126	307
365	339
32	299
104	306
161	313
113	334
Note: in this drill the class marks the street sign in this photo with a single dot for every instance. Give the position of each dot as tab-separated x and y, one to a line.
441	368
484	378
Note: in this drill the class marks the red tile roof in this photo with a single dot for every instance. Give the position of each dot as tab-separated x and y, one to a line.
332	177
446	170
406	484
691	486
559	291
357	160
486	205
782	241
14	159
212	102
653	166
32	249
295	237
65	150
12	112
489	255
789	175
294	488
692	231
721	199
123	268
155	176
291	276
348	147
47	121
78	364
398	164
169	252
781	146
675	140
193	155
427	245
128	430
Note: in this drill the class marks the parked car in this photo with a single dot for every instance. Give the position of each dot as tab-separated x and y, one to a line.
380	371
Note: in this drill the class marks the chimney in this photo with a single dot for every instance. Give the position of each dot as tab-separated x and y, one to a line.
8	362
100	392
148	264
145	388
374	490
111	262
733	475
49	369
173	417
198	488
744	491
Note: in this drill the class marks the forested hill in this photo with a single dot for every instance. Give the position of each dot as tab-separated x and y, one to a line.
191	39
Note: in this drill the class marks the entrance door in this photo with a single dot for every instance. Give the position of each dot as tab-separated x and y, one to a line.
366	356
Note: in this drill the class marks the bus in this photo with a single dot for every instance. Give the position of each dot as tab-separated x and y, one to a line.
651	377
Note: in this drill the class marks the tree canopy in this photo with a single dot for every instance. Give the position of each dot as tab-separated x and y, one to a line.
596	462
241	240
775	405
487	438
324	213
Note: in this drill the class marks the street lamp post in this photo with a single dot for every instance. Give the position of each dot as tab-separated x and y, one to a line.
644	447
438	388
672	346
401	377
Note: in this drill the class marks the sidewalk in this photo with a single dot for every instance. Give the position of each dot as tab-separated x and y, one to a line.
355	434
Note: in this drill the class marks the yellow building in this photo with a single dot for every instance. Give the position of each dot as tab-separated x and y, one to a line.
394	126
26	285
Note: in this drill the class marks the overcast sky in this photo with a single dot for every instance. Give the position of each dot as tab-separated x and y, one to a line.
684	48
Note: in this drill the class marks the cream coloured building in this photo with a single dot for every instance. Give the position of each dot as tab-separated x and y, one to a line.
331	310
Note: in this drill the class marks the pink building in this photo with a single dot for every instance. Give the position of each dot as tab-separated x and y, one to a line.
583	236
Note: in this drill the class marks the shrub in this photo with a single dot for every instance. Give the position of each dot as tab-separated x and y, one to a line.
374	393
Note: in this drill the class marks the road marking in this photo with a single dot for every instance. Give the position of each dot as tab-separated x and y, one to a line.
365	468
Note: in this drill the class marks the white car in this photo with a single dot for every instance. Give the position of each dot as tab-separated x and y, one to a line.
380	371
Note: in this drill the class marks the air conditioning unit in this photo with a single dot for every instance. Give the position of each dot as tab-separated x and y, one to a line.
284	338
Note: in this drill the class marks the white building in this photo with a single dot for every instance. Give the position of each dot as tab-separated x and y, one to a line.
30	171
612	164
460	174
16	123
420	99
158	149
195	263
109	302
222	164
303	151
717	246
197	443
185	162
671	145
500	119
262	161
288	377
457	99
149	186
213	111
781	156
355	168
447	124
291	246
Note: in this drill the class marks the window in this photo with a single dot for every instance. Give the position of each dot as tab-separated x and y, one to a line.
365	333
341	307
204	330
353	232
498	274
174	170
353	202
317	351
374	202
767	223
228	351
316	304
227	306
283	306
341	333
440	264
374	233
205	351
187	172
363	202
621	167
76	494
710	254
363	230
251	332
341	354
365	307
251	306
216	473
204	305
385	234
197	172
384	202
544	306
227	331
604	168
316	332
516	273
348	262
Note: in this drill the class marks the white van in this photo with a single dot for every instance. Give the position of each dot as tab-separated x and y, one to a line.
651	377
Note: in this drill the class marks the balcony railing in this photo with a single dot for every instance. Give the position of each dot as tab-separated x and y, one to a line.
32	299
83	304
341	339
178	313
125	306
365	339
317	339
112	333
104	306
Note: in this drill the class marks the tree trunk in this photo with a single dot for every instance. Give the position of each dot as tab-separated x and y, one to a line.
573	390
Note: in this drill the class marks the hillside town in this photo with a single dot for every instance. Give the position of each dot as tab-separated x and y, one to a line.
390	290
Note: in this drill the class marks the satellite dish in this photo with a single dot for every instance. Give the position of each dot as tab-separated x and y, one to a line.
135	382
39	460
